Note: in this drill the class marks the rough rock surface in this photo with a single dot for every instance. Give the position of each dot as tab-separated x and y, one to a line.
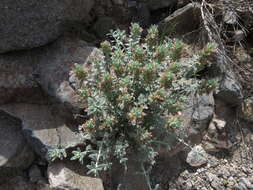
182	22
71	176
197	116
17	78
197	156
30	23
14	149
55	65
43	128
15	153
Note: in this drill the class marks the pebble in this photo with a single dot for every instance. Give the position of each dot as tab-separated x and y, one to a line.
246	182
197	156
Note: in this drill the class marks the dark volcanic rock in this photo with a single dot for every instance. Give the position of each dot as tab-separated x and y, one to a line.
26	24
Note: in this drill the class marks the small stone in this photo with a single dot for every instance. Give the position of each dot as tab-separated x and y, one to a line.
209	147
239	35
212	129
211	177
240	186
246	182
197	156
220	124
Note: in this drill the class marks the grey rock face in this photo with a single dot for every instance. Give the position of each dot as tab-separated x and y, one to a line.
202	110
182	22
71	176
103	26
56	63
15	154
17	77
26	24
230	90
196	118
43	128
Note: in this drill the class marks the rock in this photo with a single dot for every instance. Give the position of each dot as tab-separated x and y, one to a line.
71	176
197	156
212	131
35	175
220	124
238	36
17	78
154	5
141	15
230	17
103	26
17	183
210	147
215	182
56	63
29	23
241	186
43	128
230	90
15	153
246	182
183	21
247	108
201	114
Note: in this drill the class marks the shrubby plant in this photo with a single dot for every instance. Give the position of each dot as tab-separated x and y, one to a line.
135	93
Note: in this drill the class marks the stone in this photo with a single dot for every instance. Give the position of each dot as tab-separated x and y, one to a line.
238	36
210	147
56	63
141	15
230	90
201	114
230	17
247	108
246	182
103	26
183	21
241	186
15	153
30	23
17	78
43	128
71	176
220	124
154	5
212	131
35	175
197	156
17	183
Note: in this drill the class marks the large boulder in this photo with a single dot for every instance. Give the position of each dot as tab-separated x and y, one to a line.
15	153
17	78
56	63
26	24
43	128
71	176
184	24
